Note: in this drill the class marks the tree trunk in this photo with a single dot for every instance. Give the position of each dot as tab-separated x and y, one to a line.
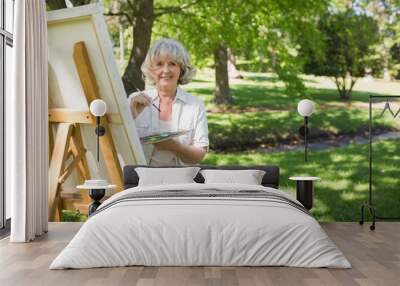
56	4
344	94
222	94
350	89
132	77
232	70
343	90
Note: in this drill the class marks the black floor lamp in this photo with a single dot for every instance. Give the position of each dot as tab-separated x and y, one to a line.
305	108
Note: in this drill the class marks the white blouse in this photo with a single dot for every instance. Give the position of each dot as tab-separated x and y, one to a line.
163	157
188	113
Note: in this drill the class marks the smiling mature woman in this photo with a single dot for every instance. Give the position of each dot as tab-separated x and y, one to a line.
166	107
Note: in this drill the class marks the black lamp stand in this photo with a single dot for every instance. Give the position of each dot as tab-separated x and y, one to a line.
100	131
305	138
96	195
303	130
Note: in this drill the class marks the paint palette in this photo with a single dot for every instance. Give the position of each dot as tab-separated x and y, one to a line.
159	137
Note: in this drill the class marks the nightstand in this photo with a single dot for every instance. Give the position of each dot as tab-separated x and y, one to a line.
305	190
97	190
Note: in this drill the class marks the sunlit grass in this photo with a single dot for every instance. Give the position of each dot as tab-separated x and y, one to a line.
73	216
250	129
319	88
263	114
344	176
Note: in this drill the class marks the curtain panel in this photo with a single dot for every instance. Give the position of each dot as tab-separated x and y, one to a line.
27	123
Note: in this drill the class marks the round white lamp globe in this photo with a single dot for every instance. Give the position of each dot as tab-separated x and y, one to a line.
305	107
98	107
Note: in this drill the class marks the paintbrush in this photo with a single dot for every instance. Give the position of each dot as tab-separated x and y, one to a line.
156	107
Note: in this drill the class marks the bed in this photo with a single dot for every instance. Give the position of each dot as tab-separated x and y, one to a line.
201	224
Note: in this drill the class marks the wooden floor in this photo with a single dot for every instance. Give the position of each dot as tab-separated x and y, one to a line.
375	256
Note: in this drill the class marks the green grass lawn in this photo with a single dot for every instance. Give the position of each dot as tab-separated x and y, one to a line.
73	216
253	129
344	176
264	115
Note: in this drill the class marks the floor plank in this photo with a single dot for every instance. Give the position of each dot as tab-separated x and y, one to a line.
375	257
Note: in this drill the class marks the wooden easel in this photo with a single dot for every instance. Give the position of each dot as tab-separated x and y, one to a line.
68	144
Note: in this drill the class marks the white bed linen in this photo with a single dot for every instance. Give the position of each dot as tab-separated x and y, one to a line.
200	231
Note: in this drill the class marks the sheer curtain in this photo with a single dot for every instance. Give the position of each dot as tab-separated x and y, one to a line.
26	121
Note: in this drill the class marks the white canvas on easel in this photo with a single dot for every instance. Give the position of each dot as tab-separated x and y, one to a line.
86	24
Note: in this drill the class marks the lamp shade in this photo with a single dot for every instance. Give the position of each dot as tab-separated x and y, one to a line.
98	107
305	107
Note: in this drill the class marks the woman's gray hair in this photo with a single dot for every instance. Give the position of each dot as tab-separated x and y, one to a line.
176	51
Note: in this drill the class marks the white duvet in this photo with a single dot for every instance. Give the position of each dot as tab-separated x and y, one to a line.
200	231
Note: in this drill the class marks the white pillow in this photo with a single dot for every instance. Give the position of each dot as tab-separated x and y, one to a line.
249	177
166	176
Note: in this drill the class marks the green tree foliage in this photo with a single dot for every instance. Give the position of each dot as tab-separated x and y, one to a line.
347	50
395	63
269	30
387	14
208	29
140	16
285	28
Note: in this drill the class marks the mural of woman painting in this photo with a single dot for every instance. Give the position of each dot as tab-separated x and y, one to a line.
166	107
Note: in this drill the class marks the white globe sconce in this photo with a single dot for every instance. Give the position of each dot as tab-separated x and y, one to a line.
98	107
305	108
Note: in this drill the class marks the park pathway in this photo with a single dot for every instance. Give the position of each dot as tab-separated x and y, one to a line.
331	143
